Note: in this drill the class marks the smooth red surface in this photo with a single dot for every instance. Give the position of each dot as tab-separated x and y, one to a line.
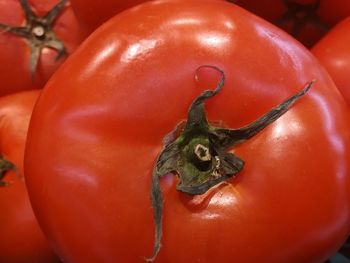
14	51
99	124
94	13
21	240
329	13
333	52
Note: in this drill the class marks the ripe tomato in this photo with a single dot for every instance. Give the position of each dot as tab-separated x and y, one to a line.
93	13
334	53
99	126
306	20
32	48
21	240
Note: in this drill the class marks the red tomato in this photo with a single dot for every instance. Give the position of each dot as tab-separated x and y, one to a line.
306	20
100	123
94	13
21	240
16	70
334	53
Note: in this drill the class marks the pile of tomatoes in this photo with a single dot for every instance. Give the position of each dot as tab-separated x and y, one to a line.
174	131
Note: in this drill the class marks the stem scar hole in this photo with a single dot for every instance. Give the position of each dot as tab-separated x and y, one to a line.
202	153
38	31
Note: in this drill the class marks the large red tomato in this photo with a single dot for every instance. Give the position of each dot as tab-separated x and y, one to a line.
306	20
99	126
21	240
94	13
334	53
35	38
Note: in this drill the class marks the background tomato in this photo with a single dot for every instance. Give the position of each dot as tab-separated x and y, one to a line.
21	240
306	20
98	127
15	51
334	53
94	13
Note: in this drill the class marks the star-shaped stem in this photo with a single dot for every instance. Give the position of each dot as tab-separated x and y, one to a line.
200	156
300	15
5	166
38	31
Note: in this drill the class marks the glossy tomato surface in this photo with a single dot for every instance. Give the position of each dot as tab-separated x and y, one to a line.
94	13
99	125
15	73
306	20
21	240
333	52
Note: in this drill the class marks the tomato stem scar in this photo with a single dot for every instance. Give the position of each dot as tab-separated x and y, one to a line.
38	31
200	155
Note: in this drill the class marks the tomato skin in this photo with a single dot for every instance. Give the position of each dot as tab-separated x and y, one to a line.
130	84
15	73
93	13
21	240
327	14
334	54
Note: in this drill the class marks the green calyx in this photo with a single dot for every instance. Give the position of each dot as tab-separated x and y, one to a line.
301	14
5	166
199	156
39	32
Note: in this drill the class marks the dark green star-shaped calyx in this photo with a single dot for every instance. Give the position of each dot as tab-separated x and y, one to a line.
5	166
38	31
199	156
